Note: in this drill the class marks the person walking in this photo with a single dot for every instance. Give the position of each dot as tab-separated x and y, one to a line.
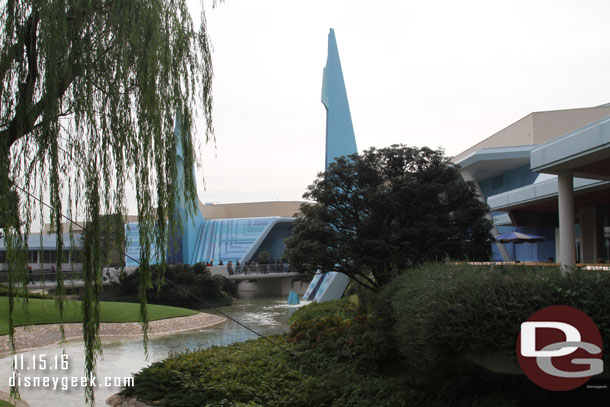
230	268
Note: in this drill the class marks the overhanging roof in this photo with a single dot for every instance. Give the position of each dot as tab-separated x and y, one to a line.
584	151
542	196
49	241
489	162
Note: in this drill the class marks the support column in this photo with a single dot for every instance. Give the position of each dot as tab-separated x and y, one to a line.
588	233
567	247
557	244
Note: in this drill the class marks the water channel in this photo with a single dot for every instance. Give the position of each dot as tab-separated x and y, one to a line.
124	356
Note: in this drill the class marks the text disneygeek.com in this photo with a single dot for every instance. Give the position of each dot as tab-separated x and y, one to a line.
25	369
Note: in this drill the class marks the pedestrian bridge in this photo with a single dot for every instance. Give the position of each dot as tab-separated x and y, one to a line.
251	279
266	279
258	276
47	280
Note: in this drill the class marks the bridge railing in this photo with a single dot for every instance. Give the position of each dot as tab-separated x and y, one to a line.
248	269
47	277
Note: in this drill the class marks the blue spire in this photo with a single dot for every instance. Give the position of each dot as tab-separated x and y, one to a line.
181	250
340	141
340	138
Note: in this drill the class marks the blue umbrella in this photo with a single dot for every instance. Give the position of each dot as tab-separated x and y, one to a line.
518	237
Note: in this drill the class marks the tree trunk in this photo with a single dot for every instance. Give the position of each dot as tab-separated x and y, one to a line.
9	199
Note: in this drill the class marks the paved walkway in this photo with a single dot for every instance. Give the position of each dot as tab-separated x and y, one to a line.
38	336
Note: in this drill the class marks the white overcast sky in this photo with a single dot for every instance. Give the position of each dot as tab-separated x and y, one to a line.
441	73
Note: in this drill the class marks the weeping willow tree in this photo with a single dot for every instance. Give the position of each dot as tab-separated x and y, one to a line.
90	92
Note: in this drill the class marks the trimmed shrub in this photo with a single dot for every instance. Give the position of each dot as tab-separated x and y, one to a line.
343	308
256	373
444	312
339	331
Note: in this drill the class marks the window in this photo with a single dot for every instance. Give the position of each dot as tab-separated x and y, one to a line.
32	256
77	256
65	257
2	256
49	256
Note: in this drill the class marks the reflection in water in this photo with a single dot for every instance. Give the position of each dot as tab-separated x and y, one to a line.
124	356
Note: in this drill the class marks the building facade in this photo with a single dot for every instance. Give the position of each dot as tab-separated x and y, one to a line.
234	232
547	174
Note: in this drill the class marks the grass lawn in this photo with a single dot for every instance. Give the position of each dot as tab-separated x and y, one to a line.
41	311
5	404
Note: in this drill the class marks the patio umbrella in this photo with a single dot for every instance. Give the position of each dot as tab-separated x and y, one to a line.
518	237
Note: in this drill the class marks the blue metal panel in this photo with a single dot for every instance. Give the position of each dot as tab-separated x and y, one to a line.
232	239
132	246
274	241
510	180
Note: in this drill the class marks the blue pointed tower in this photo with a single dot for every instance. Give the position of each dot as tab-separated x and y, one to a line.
181	248
340	138
340	141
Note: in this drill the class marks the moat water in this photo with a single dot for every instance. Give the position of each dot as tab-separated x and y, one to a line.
123	357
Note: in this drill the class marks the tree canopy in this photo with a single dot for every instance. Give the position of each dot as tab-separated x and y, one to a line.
388	209
89	95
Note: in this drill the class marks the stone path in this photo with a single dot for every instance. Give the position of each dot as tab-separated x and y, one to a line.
38	336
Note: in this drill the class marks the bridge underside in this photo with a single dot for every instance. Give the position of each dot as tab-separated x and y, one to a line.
273	286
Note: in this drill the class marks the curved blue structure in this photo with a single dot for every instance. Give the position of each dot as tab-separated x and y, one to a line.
239	239
205	240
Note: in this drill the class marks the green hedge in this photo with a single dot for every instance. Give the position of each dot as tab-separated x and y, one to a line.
341	332
256	373
344	308
443	312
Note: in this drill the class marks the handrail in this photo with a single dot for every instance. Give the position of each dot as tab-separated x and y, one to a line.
248	269
45	276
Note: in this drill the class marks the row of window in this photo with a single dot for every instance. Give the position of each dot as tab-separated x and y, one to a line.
48	256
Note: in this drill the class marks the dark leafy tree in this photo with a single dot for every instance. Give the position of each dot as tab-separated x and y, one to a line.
191	286
378	213
89	95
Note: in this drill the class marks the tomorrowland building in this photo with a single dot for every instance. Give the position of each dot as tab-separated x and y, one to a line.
237	231
546	174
